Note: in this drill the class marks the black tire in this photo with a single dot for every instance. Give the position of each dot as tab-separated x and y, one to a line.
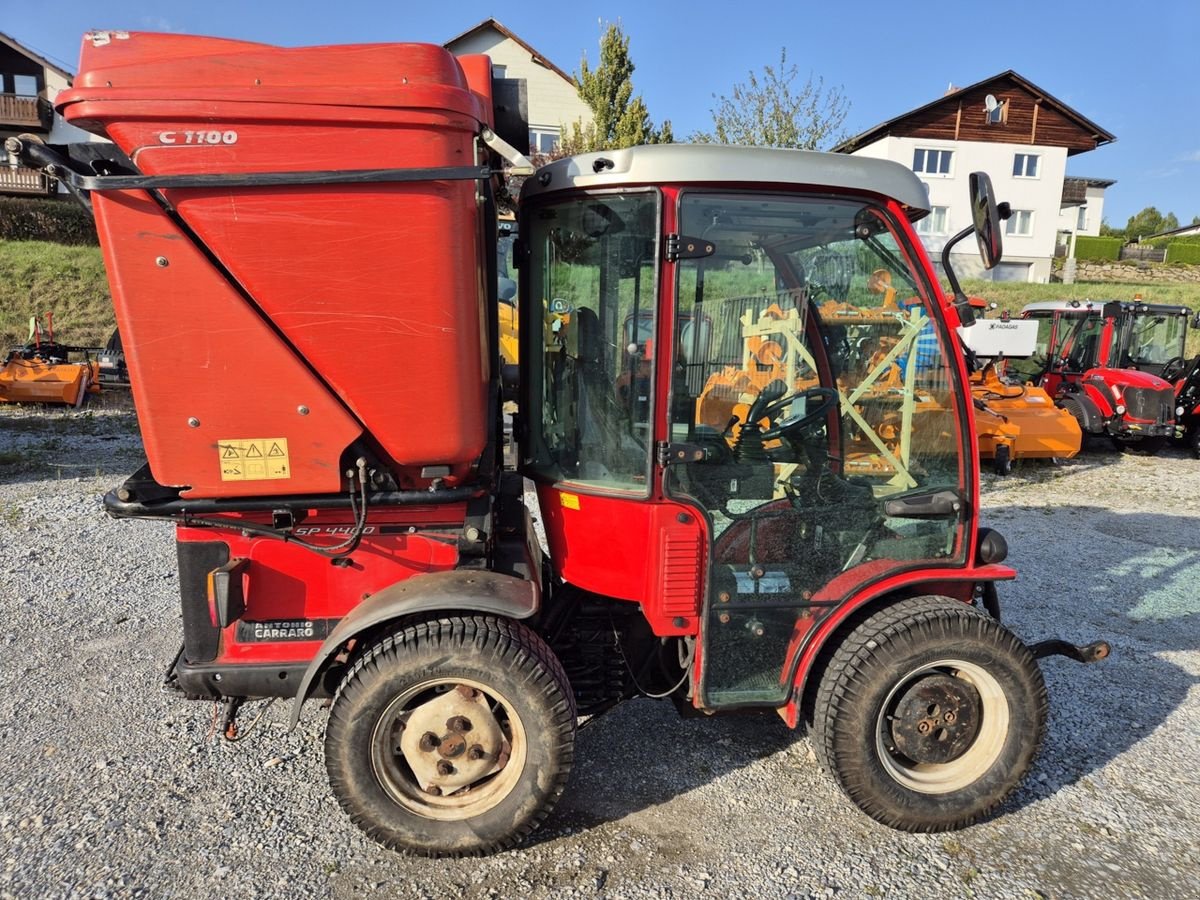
491	703
1147	445
874	696
1193	438
1002	462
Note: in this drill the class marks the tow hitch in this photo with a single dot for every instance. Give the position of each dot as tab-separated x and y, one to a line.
1089	653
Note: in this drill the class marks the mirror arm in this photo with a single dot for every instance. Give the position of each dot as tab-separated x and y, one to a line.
966	315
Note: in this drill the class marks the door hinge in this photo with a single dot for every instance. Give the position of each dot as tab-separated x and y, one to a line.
668	453
680	246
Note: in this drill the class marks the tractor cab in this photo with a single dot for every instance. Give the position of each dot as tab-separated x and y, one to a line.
1097	361
1151	338
785	425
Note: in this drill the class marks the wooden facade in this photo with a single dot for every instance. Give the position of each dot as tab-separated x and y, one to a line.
1029	116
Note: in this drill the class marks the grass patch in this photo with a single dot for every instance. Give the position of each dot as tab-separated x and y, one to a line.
36	277
10	516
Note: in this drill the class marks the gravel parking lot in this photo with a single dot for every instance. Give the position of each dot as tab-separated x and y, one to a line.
114	788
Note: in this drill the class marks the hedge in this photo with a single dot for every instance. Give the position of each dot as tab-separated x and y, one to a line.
58	221
1183	252
1088	247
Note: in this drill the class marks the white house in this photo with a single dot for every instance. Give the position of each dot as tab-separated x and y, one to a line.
551	94
1082	206
1021	136
29	84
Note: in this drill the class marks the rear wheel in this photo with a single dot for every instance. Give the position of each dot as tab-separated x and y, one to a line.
929	714
452	737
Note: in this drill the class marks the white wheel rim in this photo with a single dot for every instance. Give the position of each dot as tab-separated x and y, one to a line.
985	749
404	773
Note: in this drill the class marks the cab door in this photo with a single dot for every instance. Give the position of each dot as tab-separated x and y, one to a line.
811	423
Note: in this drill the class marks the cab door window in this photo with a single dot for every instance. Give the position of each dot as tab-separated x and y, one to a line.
593	272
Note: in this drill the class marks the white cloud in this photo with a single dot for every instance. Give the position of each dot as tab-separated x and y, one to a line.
157	23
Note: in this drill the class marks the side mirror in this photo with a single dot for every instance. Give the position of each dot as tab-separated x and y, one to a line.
986	216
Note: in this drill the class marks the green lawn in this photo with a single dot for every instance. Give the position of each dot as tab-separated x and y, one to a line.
38	277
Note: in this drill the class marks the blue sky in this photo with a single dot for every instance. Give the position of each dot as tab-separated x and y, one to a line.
1131	69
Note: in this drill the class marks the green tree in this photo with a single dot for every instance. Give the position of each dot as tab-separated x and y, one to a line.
1149	221
619	119
1107	230
769	111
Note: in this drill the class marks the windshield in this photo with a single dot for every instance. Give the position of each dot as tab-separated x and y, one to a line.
592	269
1155	338
784	270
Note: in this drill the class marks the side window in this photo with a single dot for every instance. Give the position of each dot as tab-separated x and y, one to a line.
1033	366
594	276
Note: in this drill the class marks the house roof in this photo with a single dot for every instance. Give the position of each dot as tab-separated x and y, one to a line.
1184	230
534	53
36	57
885	128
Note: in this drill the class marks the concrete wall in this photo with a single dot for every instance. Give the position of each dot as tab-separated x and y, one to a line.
553	101
1023	255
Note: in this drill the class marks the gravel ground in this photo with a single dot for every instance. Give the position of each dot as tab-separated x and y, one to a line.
114	788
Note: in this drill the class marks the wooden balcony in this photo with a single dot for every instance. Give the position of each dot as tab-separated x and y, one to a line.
17	110
21	180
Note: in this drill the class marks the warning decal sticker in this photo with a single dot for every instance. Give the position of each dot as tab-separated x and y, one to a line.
254	460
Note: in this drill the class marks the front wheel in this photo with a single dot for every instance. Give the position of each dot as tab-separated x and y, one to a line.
929	714
452	737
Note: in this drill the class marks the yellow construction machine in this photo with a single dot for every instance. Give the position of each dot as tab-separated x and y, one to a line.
42	371
1013	420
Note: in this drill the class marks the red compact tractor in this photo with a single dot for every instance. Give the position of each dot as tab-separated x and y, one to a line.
1099	362
302	248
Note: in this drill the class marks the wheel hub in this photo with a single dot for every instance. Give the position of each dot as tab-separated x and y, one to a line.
451	741
936	719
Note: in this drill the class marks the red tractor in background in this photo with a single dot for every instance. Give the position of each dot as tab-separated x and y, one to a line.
1093	361
1153	338
351	532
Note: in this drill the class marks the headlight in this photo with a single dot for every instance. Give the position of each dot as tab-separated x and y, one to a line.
1120	409
1179	410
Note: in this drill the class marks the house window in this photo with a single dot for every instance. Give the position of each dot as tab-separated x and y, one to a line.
499	71
932	162
999	115
25	85
936	222
543	140
1020	223
1025	165
1081	221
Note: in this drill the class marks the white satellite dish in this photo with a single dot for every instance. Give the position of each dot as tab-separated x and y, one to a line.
990	103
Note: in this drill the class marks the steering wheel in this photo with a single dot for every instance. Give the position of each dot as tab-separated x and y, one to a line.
1173	368
824	398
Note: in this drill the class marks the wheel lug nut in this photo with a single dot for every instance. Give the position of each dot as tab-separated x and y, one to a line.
476	752
434	790
444	768
429	741
950	717
458	723
923	727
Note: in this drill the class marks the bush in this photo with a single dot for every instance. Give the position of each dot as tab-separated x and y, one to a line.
1183	252
1087	247
58	221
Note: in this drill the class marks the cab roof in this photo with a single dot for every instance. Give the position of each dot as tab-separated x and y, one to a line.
1095	306
717	164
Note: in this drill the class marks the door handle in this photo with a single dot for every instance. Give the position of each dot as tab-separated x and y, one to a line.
943	504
